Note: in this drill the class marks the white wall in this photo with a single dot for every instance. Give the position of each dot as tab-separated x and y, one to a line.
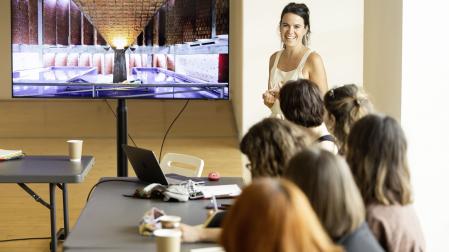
337	35
406	62
425	115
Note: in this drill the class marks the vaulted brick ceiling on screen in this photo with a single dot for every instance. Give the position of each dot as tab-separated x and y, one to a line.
120	20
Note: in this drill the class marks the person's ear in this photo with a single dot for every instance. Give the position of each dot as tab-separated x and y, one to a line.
329	120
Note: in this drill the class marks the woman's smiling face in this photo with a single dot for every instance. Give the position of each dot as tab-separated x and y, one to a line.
292	30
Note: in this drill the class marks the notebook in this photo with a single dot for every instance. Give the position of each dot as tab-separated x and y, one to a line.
146	166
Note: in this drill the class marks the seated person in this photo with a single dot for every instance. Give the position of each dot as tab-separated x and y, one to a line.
345	105
273	215
328	184
301	103
268	145
377	156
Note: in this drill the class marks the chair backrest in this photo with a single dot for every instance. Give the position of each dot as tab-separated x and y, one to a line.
182	164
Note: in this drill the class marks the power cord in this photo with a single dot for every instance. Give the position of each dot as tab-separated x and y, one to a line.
115	115
169	127
26	239
104	181
166	132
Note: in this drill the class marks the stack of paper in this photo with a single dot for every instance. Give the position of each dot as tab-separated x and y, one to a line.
10	154
218	191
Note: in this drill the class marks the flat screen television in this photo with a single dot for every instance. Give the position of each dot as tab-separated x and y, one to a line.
174	49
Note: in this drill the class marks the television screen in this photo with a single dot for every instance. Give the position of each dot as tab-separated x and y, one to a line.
147	49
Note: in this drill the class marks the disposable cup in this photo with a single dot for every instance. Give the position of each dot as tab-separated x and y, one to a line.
168	240
170	221
75	150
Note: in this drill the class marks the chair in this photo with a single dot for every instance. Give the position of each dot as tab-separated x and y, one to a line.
182	164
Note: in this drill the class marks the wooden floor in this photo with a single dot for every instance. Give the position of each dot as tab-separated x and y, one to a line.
22	217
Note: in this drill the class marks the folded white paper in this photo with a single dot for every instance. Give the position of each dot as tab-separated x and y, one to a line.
232	190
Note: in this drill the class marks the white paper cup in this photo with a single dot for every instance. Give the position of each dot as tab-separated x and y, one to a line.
168	240
75	150
170	221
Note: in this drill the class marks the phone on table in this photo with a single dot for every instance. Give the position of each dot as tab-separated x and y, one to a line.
196	195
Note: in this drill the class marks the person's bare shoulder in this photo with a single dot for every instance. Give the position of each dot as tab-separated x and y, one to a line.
272	59
314	59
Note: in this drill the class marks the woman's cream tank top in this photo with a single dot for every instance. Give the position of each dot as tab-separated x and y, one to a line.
278	78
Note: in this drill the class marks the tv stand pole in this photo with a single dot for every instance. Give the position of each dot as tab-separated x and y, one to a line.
122	138
119	75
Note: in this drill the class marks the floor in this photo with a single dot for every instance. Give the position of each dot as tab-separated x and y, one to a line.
22	217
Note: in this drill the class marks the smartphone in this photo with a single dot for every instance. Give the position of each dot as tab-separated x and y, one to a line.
196	195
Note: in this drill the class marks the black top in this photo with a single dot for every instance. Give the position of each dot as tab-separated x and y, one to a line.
360	240
329	138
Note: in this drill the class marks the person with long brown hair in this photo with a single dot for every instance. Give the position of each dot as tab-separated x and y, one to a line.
273	215
377	156
328	184
345	105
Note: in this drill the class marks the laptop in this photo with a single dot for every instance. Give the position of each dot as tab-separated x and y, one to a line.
146	166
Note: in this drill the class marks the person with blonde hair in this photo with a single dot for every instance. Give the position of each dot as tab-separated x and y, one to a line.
273	215
328	184
345	105
377	156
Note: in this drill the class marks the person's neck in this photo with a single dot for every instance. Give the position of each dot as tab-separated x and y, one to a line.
292	51
320	130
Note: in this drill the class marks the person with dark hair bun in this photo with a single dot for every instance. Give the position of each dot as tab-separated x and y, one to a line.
295	60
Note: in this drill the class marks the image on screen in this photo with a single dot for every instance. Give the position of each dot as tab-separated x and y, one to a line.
173	49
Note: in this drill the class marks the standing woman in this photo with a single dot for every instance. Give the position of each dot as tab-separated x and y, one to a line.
295	60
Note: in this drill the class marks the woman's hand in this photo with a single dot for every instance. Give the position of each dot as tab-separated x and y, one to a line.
199	233
191	233
269	97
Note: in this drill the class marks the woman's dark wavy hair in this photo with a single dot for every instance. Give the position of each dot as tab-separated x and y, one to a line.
301	103
270	144
346	105
377	156
301	10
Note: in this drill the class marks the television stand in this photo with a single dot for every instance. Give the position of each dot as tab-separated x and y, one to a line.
122	138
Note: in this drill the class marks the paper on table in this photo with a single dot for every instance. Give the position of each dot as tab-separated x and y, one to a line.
209	249
10	154
232	190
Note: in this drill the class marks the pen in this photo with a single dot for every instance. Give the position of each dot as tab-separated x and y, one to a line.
214	201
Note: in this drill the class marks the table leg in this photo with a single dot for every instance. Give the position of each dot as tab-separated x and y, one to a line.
53	217
66	209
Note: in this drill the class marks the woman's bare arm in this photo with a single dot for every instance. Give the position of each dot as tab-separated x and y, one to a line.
317	73
199	233
268	97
